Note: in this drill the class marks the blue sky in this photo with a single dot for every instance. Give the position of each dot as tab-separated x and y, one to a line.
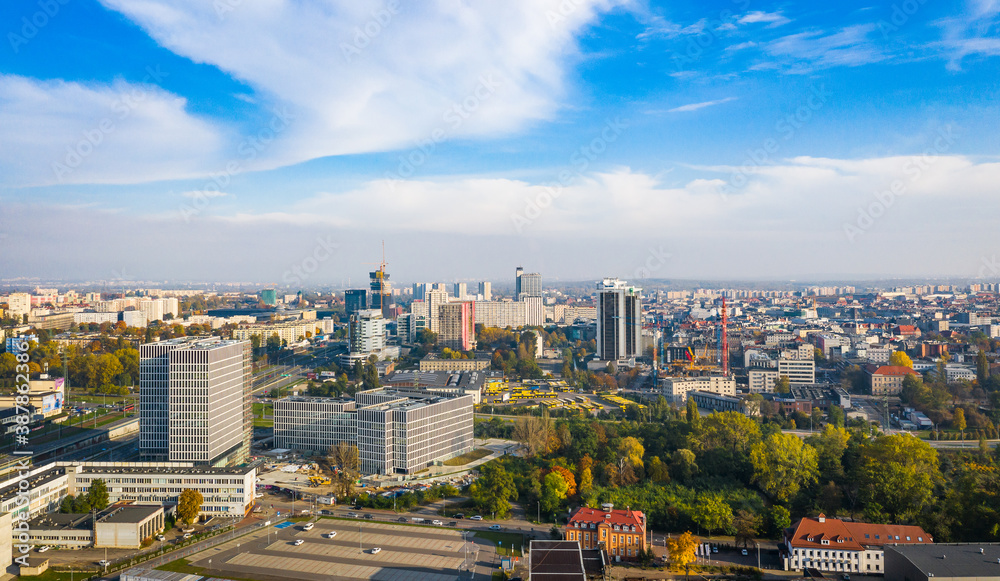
192	140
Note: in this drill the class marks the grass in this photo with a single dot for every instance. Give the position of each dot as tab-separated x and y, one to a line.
505	540
181	566
468	457
259	423
51	575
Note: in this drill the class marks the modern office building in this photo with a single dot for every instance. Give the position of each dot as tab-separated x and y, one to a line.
194	401
366	332
355	300
460	291
381	290
799	371
676	389
619	320
420	290
527	284
397	432
457	325
486	290
269	297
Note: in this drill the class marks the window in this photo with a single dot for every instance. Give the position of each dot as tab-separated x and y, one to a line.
907	538
920	539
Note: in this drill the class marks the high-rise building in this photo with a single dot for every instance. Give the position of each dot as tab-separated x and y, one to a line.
460	290
486	290
457	324
619	320
355	300
527	284
420	290
269	297
381	290
366	333
435	298
195	401
19	304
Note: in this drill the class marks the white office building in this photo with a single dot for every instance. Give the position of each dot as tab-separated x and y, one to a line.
762	380
799	371
676	389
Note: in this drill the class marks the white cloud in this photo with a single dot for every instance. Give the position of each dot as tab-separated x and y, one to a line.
772	19
702	105
816	49
197	194
65	132
362	76
970	33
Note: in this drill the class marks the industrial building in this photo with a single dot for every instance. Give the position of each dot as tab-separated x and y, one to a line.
121	526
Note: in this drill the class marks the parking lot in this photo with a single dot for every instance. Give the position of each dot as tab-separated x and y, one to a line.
406	553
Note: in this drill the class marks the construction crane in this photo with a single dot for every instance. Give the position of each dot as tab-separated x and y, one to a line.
378	280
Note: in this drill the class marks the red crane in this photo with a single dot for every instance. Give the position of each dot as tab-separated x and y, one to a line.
725	339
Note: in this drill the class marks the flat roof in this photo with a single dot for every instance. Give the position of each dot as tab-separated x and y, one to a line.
556	561
117	468
130	514
953	560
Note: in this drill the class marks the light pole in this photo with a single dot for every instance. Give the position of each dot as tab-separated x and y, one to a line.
758	555
539	511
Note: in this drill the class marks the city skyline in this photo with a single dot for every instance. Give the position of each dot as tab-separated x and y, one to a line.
588	139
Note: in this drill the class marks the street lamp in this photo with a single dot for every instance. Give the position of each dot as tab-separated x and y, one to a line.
758	555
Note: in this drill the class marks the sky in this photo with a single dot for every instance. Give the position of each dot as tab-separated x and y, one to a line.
282	141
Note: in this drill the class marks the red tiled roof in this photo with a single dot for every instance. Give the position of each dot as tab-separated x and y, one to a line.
810	533
618	517
894	370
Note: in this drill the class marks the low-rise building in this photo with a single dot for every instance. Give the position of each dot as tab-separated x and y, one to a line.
675	389
762	380
887	379
433	362
720	403
944	562
118	527
830	544
621	533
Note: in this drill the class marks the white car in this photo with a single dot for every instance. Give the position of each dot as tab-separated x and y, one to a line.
187	535
161	538
436	522
495	527
744	552
376	550
298	542
104	562
43	548
308	526
477	517
330	534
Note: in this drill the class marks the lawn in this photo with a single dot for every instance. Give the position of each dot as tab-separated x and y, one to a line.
51	575
468	457
505	541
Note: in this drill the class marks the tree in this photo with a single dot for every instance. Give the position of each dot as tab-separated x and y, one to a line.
129	358
494	490
837	416
914	391
189	505
896	476
553	492
693	417
682	550
632	450
657	471
67	504
712	513
779	518
782	464
80	504
982	368
731	431
782	385
830	446
108	367
900	359
746	524
532	432
958	420
97	496
567	477
345	457
683	466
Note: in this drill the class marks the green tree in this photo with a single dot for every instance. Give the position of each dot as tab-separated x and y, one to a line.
97	495
782	385
80	504
632	450
896	476
730	431
189	505
67	504
782	464
8	363
494	490
129	359
982	368
779	519
657	471
830	446
107	369
914	391
683	465
837	416
693	417
554	490
712	513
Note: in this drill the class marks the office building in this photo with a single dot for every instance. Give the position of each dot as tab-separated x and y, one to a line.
457	325
527	284
194	401
118	527
676	389
397	432
943	562
762	380
433	362
836	546
355	300
366	332
798	371
486	290
622	533
420	290
460	291
888	379
619	320
381	290
269	297
435	298
18	305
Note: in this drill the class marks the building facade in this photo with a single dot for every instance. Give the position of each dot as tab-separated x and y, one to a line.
833	545
457	325
676	389
798	371
355	300
887	379
619	320
527	284
622	533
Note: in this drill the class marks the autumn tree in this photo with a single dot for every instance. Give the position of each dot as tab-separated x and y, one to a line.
782	464
189	505
554	490
896	476
683	551
782	385
958	420
900	359
567	477
712	513
746	524
533	433
345	457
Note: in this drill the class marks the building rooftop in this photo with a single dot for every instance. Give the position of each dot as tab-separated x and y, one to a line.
556	561
158	468
587	515
979	560
129	513
821	532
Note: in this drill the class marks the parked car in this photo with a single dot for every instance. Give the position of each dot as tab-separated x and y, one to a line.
308	526
298	542
477	517
744	552
376	550
845	577
459	515
436	522
187	536
403	519
495	527
43	548
161	538
715	549
104	562
330	534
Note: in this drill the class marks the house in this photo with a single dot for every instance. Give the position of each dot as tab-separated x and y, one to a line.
887	379
830	544
621	533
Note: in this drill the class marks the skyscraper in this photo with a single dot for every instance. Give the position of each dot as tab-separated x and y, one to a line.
355	300
460	290
527	284
486	290
619	320
420	290
457	324
435	298
268	296
194	401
